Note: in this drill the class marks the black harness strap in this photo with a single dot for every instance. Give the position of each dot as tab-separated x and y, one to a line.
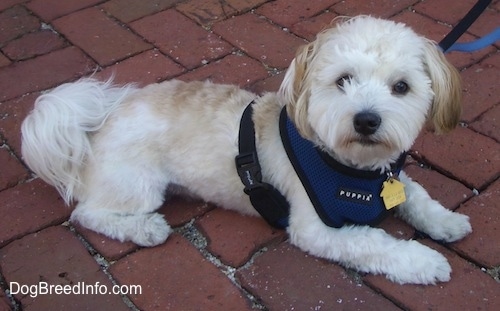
268	201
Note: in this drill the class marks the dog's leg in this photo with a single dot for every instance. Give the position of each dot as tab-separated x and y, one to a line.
148	229
367	249
120	199
429	216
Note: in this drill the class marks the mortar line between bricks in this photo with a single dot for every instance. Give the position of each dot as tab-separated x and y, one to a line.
199	241
493	272
66	14
424	163
398	304
445	173
209	25
477	61
126	27
155	47
16	306
468	124
26	233
49	25
4	144
103	263
279	26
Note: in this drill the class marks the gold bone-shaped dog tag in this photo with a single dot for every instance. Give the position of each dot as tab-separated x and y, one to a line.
393	193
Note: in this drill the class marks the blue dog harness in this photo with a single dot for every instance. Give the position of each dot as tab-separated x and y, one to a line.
340	194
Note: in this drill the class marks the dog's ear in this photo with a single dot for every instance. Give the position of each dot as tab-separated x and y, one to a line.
294	90
446	83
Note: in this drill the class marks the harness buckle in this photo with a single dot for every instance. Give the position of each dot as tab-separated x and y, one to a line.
248	168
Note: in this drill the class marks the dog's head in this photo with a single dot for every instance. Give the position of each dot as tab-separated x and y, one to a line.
364	89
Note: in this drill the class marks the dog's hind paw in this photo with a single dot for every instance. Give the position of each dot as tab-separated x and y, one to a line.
151	230
419	264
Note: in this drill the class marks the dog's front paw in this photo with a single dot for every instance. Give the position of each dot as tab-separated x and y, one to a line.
418	264
152	229
450	227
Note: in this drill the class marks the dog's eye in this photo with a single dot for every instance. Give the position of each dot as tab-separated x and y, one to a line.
400	88
341	81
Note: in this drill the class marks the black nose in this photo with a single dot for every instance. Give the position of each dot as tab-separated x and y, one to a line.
366	123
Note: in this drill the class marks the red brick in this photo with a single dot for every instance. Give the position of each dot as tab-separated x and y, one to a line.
488	123
12	171
447	191
481	246
5	4
110	249
52	9
495	5
448	11
480	92
309	28
4	61
15	22
33	44
470	157
130	10
273	46
397	228
178	211
469	288
57	257
423	25
12	115
284	278
206	12
143	69
287	13
180	38
5	304
232	69
247	235
383	8
270	84
43	72
109	42
28	208
437	31
175	276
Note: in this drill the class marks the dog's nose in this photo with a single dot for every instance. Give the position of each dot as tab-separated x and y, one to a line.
366	123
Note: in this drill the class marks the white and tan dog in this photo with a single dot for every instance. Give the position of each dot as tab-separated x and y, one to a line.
116	149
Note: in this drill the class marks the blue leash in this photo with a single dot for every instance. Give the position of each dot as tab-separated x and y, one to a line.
449	44
478	44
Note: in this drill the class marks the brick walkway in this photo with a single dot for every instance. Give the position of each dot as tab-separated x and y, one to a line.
219	260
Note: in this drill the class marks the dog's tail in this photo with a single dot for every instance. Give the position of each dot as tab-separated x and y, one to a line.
55	135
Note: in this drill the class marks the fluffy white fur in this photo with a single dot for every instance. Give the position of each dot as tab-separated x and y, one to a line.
116	149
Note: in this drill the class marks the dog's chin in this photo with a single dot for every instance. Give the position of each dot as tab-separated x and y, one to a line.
366	153
368	142
365	142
